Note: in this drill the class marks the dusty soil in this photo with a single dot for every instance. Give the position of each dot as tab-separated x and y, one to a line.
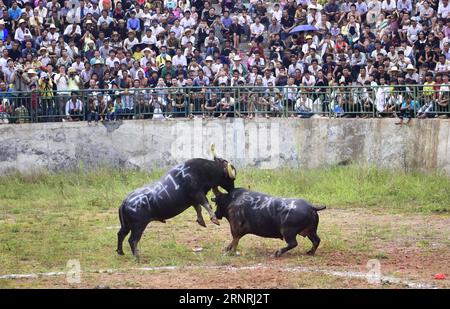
205	279
412	248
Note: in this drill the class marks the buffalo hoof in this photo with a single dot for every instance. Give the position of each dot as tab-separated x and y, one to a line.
120	252
277	254
215	221
201	223
310	252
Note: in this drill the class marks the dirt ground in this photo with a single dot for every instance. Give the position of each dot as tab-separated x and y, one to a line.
410	248
204	279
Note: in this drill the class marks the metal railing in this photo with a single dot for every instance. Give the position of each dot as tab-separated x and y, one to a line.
219	102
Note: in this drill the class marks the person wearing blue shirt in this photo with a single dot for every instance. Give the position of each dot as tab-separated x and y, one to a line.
14	12
133	22
226	20
3	31
407	109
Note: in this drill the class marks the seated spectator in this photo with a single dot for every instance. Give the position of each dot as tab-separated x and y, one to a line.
74	108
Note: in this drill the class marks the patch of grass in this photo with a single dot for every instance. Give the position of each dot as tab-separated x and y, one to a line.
46	219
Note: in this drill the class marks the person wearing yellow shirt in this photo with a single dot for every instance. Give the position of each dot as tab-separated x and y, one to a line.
162	57
427	108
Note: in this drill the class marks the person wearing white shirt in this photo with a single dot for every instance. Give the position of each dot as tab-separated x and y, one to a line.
148	38
443	65
74	107
304	105
4	60
268	78
104	19
130	41
381	95
404	5
62	86
21	31
178	29
388	6
217	66
111	59
257	29
314	17
156	28
78	64
146	17
52	34
179	59
308	79
277	12
413	31
94	9
41	10
187	37
187	21
443	9
72	31
73	16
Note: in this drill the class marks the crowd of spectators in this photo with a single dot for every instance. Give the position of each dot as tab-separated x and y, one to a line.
109	59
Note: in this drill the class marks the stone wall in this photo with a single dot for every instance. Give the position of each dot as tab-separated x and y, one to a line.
262	143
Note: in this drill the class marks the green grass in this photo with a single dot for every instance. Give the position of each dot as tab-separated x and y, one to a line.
47	219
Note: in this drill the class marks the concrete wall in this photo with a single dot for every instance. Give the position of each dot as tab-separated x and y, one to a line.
264	143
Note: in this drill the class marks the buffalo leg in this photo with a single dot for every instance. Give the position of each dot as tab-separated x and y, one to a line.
315	241
120	237
312	235
291	241
202	200
233	245
136	233
200	220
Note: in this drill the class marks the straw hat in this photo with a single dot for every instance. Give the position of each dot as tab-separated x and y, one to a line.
410	67
393	69
31	71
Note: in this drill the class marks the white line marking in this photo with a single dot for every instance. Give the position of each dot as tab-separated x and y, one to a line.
346	274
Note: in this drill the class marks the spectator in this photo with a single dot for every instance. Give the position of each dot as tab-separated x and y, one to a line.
169	44
74	108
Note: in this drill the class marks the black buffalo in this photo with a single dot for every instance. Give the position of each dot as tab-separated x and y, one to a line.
183	186
256	213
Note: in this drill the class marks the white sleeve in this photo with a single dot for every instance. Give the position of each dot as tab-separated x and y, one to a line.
68	107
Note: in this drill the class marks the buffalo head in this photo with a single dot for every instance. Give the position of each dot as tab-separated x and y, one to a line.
222	202
229	171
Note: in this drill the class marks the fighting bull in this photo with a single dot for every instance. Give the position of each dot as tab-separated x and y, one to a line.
183	186
256	213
